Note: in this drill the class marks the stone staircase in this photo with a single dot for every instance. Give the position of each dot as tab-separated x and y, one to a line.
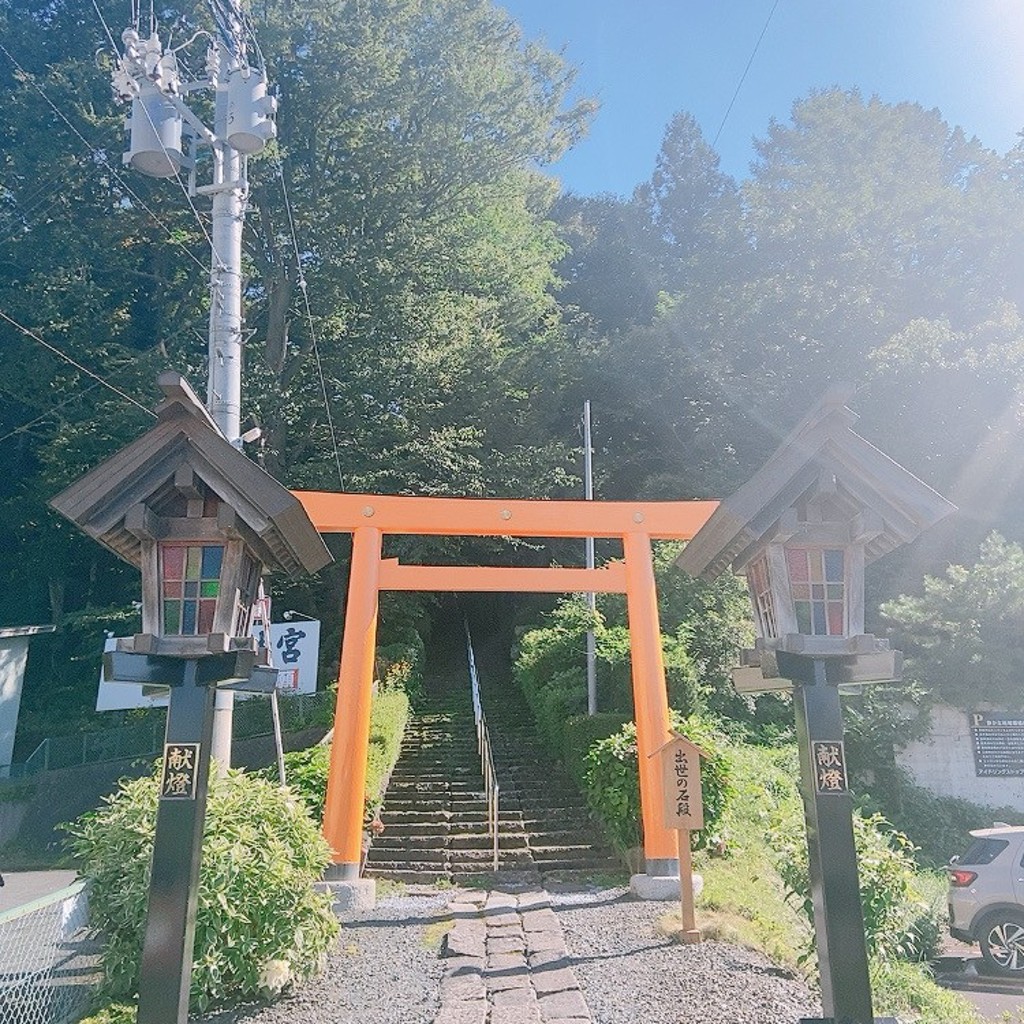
435	808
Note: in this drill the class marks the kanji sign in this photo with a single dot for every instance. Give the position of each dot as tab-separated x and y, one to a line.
297	674
683	800
829	761
180	771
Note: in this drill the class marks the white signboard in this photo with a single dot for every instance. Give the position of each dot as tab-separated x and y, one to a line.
294	649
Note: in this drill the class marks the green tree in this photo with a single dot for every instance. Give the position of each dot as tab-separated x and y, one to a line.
963	636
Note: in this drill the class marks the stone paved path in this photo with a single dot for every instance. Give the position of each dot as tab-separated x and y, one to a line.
506	963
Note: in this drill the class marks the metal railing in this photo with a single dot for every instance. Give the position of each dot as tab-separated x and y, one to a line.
47	965
252	718
483	742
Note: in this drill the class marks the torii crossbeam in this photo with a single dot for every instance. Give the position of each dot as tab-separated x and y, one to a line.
368	517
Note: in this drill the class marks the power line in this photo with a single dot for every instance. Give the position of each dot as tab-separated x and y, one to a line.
309	316
743	77
78	366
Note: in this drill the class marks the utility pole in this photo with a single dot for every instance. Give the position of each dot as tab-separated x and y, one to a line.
165	139
588	493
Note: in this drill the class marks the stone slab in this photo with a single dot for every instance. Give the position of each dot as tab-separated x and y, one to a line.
505	944
539	900
464	909
555	1005
554	979
458	966
515	961
463	1013
504	925
467	938
545	942
514	997
514	1015
502	981
461	988
540	919
550	958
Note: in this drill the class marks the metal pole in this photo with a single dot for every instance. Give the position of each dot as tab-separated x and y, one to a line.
224	388
278	742
588	493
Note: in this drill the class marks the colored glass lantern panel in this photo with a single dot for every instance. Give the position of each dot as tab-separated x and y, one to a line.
206	610
213	556
190	586
818	586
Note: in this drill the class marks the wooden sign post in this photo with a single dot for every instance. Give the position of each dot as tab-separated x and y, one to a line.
683	810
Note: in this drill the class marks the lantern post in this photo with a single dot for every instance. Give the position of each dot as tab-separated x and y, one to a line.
801	530
202	523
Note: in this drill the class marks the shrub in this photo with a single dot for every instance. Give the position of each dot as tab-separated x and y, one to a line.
936	825
388	718
901	918
580	733
613	782
550	669
399	666
258	915
306	770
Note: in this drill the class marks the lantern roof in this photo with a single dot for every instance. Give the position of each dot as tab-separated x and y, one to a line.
822	461
184	446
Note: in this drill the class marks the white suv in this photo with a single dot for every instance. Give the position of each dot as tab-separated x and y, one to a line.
986	897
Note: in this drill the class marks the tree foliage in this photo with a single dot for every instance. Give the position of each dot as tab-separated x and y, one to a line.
964	634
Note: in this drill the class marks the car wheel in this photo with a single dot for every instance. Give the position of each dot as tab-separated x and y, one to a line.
1002	942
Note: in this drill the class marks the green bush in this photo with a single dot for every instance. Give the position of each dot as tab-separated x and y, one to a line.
259	926
580	733
306	770
388	717
902	920
399	666
908	991
937	825
550	669
613	782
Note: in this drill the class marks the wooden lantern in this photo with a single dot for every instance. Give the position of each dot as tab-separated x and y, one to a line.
801	531
200	520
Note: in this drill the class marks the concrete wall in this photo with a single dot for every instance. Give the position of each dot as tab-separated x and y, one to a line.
943	763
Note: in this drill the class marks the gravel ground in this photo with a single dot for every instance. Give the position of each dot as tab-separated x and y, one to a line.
628	972
387	970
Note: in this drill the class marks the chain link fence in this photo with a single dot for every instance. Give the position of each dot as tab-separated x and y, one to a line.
252	717
47	961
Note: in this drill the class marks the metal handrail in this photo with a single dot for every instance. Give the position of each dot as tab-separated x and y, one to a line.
483	743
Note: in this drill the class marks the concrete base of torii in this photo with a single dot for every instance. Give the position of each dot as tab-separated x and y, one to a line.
661	887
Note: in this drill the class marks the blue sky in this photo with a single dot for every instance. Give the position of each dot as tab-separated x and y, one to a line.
646	59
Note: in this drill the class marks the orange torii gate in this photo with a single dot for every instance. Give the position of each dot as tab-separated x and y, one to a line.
368	517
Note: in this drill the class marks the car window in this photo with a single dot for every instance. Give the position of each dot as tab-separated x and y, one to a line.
983	851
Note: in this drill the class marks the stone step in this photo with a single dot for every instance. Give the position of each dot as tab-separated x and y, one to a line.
416	858
409	876
449	828
436	869
483	865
